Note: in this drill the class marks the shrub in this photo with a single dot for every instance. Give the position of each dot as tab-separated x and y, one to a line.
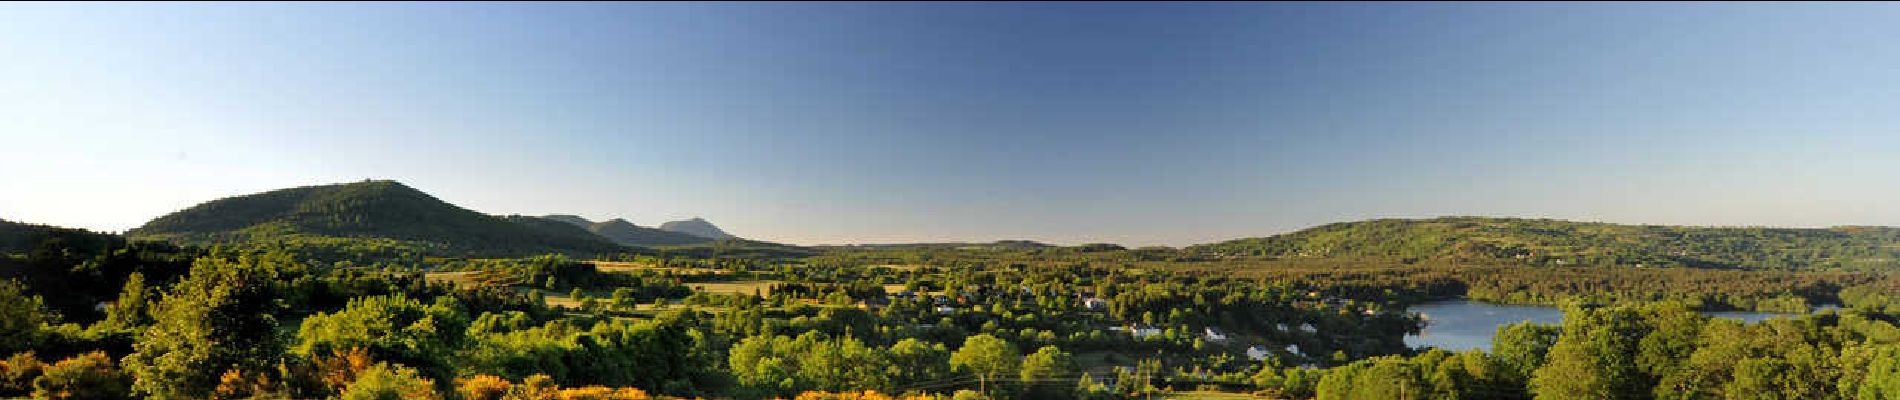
82	377
390	382
17	373
602	393
482	387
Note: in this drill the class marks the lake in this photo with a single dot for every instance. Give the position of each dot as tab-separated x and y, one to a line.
1459	325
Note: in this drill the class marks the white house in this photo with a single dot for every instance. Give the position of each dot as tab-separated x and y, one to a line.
1094	303
1257	353
1213	335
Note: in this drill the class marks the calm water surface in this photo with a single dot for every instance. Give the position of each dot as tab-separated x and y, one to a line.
1460	325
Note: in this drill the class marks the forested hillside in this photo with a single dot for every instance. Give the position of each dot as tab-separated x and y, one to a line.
19	238
1555	242
369	210
79	268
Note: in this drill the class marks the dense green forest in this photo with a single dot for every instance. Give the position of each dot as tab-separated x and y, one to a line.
1547	242
377	291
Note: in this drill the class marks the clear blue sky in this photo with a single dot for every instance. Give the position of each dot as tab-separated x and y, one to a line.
834	123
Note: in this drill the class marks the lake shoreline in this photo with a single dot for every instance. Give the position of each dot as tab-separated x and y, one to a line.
1466	324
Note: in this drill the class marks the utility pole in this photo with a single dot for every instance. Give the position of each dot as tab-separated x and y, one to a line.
1148	379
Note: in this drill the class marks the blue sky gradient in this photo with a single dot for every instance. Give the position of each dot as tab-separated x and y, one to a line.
840	122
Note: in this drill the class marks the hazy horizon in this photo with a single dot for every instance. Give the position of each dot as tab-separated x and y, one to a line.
1135	124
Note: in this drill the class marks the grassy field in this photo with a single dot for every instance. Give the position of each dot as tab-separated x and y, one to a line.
618	266
1206	396
561	299
899	267
763	288
455	277
1102	363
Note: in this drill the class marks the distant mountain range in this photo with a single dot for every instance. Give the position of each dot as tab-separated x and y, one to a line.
626	233
996	245
697	227
387	210
370	209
